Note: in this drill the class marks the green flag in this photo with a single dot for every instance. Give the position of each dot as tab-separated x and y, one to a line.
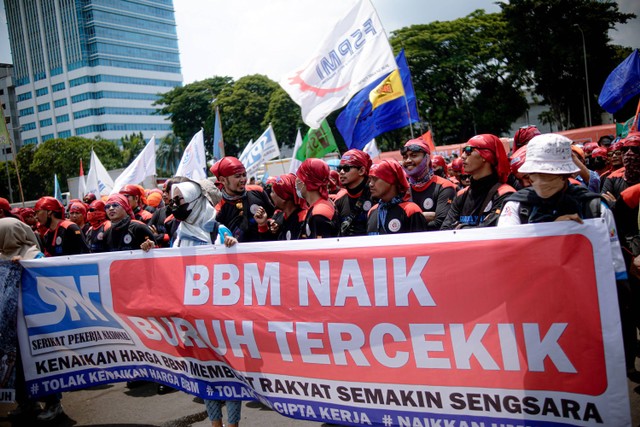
317	143
622	129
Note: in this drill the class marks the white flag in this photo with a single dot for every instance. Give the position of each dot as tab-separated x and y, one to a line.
143	166
372	149
263	149
194	161
355	54
295	163
99	181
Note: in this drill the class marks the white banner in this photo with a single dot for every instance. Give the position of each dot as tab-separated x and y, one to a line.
194	161
355	54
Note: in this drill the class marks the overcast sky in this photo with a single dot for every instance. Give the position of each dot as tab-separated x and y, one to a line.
272	37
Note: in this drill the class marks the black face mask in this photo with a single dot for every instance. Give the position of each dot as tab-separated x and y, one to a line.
598	163
182	212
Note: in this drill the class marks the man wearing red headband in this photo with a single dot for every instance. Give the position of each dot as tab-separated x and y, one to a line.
629	174
98	225
240	201
479	205
394	213
126	233
78	215
138	201
312	180
354	200
62	237
431	192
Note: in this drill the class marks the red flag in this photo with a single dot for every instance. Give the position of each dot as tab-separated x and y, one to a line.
426	137
81	169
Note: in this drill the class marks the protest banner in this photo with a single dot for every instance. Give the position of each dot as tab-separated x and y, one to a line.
502	326
10	281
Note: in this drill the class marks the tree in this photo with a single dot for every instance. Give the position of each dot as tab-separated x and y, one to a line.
243	108
62	156
545	39
463	81
285	117
168	155
189	106
132	145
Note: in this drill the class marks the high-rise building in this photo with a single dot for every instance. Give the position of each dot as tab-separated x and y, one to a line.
92	67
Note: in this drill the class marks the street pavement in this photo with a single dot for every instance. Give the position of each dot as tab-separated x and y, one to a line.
115	405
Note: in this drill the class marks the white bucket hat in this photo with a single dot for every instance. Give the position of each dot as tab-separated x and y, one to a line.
549	153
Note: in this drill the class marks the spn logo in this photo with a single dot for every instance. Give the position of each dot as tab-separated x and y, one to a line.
60	298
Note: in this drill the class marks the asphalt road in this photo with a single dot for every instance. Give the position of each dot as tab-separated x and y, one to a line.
115	405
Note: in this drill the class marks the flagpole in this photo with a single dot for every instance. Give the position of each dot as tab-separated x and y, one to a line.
406	103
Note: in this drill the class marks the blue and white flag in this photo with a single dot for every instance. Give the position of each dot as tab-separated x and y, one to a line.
360	122
256	153
56	189
193	164
99	182
218	140
143	166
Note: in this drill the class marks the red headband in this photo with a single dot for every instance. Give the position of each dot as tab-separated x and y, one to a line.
315	175
357	158
390	171
493	152
227	166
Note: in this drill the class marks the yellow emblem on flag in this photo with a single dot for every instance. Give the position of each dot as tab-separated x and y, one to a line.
389	89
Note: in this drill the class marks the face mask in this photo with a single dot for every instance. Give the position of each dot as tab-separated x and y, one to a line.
182	212
546	185
598	163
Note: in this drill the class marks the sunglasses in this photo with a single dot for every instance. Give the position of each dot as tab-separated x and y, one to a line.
634	150
464	176
469	149
415	148
111	205
345	168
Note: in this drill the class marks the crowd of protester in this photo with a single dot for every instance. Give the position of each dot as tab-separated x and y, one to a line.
531	179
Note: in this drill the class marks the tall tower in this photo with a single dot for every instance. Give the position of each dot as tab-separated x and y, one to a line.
92	67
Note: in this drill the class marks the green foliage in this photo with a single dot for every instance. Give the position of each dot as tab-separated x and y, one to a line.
189	106
284	116
461	74
132	145
168	155
243	111
544	38
37	164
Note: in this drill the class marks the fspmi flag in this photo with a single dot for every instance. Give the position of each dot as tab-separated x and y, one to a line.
256	153
99	183
355	54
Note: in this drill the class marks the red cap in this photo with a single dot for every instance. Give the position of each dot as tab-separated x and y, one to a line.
524	135
632	140
456	164
589	147
599	152
122	201
48	203
285	187
227	166
438	160
315	175
390	171
420	143
493	152
355	157
4	205
131	190
518	158
616	146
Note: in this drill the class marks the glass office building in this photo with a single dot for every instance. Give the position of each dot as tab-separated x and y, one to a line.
92	67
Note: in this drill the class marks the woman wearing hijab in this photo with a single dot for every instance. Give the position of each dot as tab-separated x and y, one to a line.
479	204
198	227
17	242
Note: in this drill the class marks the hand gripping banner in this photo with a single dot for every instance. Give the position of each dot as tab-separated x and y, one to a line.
488	327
